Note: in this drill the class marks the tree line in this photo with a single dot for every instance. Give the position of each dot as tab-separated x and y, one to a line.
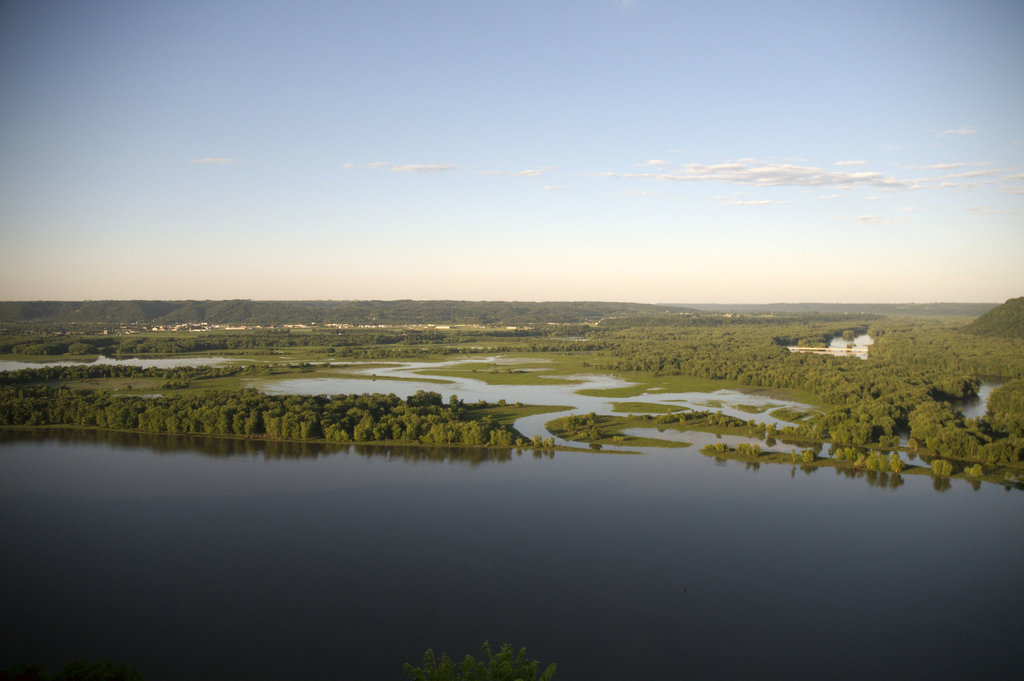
422	418
916	374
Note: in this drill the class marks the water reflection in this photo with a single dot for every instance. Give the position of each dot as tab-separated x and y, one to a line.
269	450
378	560
881	480
861	341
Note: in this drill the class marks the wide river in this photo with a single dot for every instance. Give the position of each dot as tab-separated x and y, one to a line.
221	559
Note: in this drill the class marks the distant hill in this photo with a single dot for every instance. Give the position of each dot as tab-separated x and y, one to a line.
888	309
1006	321
354	312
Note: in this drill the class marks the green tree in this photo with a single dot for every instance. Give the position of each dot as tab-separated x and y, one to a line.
101	670
506	665
942	468
895	463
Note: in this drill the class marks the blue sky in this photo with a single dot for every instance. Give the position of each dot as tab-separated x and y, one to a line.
650	151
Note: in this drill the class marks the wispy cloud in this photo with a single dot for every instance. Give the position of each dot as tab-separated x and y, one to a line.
554	187
750	202
851	163
530	172
972	174
874	219
967	179
654	162
213	161
372	164
985	210
423	168
941	166
762	174
966	130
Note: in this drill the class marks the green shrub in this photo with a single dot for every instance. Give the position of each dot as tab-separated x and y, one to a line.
505	666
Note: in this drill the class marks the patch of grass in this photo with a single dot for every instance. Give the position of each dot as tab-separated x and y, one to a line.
786	394
766	456
497	375
607	430
670	384
375	377
792	415
645	408
628	391
754	409
286	373
508	414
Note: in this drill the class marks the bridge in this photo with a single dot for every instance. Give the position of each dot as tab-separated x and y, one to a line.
841	352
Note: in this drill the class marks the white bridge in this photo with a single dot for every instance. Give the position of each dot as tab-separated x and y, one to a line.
843	352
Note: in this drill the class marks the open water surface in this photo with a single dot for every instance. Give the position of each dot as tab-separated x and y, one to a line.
225	559
144	363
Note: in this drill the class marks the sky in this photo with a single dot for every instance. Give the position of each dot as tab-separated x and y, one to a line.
730	151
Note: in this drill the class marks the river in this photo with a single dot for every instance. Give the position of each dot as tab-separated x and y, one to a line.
141	362
225	559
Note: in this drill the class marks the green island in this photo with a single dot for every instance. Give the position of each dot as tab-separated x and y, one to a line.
904	397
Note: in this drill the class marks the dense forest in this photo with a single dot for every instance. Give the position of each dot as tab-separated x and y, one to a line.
916	375
1005	321
422	418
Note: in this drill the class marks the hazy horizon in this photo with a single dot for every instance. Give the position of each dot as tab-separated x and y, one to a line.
599	150
519	300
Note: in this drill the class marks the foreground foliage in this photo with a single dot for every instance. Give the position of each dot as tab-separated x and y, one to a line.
102	670
506	665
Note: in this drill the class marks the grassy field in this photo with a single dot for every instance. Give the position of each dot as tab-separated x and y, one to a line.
609	429
645	382
508	414
521	369
792	415
645	408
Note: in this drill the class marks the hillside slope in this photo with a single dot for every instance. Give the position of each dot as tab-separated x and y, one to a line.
322	311
1005	321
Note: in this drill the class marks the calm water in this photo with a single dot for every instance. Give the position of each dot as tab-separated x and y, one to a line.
158	363
861	341
977	407
219	559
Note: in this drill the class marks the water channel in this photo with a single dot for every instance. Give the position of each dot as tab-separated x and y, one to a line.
405	378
